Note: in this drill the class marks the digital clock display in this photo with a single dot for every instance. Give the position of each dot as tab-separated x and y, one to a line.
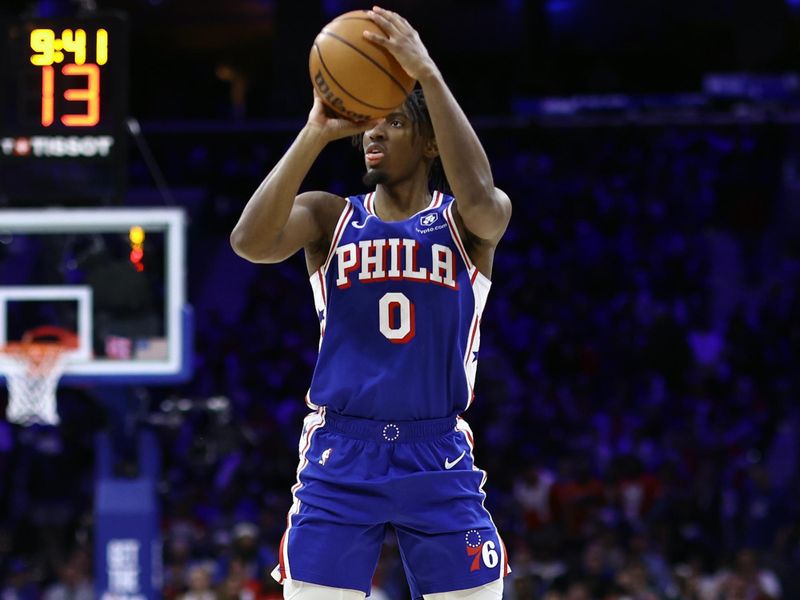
63	95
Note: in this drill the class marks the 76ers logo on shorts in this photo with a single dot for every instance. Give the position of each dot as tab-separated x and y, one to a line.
482	552
429	219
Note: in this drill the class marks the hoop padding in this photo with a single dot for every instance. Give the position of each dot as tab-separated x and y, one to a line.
32	368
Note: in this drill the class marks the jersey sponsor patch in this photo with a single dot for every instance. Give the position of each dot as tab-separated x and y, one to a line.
429	219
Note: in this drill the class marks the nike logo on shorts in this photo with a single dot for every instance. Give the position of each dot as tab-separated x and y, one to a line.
449	465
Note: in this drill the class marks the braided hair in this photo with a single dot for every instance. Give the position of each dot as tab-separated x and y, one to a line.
418	109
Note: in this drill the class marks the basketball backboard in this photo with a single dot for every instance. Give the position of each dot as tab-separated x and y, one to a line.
116	277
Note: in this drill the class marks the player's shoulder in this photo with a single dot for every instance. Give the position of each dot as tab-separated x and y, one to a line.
323	201
319	200
497	195
324	206
327	207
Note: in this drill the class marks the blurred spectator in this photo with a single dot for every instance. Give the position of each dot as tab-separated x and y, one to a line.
764	510
593	572
176	564
238	584
532	491
748	580
633	579
634	492
577	497
74	579
199	583
246	547
21	581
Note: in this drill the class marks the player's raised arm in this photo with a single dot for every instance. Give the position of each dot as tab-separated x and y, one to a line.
484	209
276	222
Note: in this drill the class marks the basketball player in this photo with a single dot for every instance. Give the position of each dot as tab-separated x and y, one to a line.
400	277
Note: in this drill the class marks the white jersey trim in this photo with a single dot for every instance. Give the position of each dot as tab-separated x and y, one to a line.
347	212
369	204
311	424
480	291
321	305
437	198
448	215
317	280
466	430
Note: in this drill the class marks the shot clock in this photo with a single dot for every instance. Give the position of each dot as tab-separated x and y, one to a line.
63	105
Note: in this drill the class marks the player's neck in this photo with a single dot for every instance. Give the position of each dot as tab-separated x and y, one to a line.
399	201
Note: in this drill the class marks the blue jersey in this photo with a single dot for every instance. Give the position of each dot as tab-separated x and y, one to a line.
399	305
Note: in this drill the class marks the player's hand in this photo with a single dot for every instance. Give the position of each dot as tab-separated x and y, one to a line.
330	125
402	40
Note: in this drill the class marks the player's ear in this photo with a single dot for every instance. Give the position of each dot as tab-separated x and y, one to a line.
431	148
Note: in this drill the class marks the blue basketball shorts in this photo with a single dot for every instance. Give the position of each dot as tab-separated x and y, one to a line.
357	477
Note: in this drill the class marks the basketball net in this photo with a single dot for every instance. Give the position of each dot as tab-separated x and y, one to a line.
32	368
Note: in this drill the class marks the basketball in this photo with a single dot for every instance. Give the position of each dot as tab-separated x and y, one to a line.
356	78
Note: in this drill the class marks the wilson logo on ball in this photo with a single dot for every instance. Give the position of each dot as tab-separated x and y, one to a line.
334	101
356	77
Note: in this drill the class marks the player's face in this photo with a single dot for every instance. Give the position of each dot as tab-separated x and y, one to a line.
393	149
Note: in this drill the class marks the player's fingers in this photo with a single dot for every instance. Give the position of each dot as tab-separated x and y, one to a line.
398	20
385	19
385	25
377	38
395	25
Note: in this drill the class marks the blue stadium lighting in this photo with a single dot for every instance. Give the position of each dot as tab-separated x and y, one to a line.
560	6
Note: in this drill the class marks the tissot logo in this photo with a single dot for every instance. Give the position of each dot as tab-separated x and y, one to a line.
429	219
57	145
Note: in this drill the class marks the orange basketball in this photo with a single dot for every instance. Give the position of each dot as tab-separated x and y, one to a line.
355	77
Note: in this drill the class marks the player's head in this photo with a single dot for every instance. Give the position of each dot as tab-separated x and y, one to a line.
401	144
